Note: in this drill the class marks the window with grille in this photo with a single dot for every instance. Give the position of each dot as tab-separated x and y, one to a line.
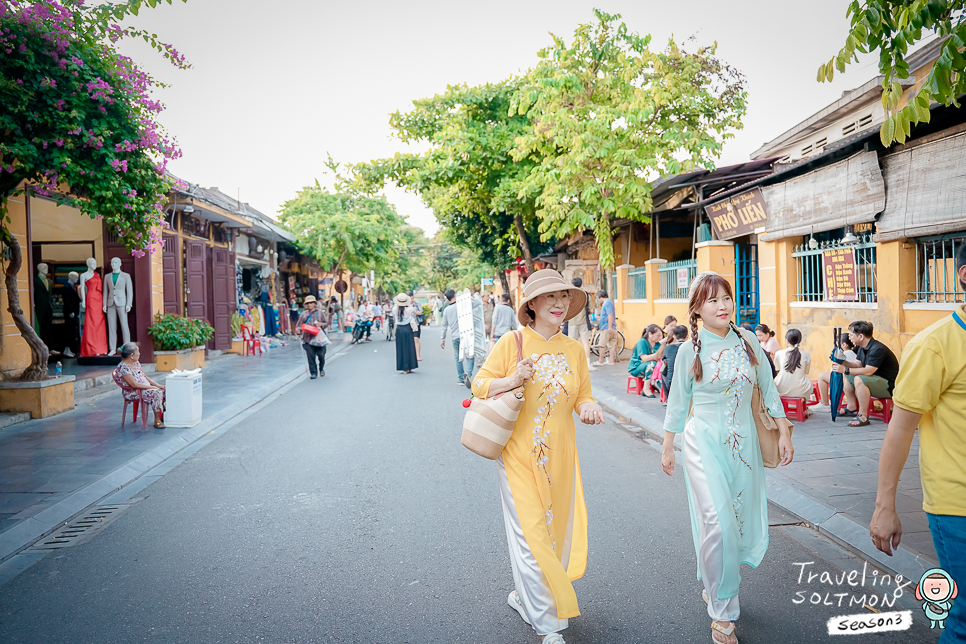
810	280
936	278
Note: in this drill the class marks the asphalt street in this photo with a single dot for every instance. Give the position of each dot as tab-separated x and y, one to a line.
346	510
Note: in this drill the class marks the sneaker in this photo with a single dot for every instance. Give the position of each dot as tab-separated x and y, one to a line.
591	367
514	601
312	377
466	381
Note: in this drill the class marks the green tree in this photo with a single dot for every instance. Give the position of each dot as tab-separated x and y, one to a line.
345	231
78	125
409	271
468	176
610	116
891	28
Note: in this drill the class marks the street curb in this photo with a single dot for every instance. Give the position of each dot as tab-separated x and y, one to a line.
826	520
29	530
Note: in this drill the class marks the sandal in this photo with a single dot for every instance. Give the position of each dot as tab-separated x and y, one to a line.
859	421
159	425
848	413
513	599
728	632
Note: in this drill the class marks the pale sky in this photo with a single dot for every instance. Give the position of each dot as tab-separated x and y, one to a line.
276	85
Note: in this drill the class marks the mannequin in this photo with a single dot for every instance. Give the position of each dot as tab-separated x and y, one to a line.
72	307
118	299
94	340
43	304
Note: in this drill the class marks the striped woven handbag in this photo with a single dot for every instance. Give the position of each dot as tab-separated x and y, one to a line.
488	423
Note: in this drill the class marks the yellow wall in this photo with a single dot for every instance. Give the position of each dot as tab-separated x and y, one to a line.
14	352
50	222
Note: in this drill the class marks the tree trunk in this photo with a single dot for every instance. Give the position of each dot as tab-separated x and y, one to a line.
524	244
506	287
37	370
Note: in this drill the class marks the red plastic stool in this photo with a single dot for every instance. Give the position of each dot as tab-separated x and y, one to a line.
816	397
795	408
886	413
635	385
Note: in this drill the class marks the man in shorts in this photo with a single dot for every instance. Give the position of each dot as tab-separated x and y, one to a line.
872	375
608	328
579	326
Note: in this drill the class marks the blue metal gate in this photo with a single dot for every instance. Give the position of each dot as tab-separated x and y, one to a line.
746	274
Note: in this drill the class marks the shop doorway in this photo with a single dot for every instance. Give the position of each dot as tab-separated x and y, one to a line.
172	285
196	279
746	276
222	296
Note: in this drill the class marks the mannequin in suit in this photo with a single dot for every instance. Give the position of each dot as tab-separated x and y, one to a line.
72	304
43	304
118	299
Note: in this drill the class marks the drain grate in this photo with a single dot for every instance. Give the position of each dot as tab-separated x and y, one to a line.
81	529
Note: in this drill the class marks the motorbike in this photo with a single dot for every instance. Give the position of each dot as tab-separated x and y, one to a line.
390	328
359	330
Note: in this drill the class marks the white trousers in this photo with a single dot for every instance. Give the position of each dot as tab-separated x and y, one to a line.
528	579
710	545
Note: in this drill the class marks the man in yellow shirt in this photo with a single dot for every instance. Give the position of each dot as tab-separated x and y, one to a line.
930	393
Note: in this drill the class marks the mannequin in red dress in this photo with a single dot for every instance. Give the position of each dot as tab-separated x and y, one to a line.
94	340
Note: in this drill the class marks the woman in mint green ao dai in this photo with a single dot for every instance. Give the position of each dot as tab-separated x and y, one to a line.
710	402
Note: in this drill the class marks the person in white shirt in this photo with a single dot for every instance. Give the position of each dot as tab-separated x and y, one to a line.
793	365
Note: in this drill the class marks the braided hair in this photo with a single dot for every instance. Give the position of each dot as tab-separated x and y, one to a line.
701	291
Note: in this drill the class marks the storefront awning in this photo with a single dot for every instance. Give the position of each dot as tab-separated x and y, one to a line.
850	191
926	187
245	260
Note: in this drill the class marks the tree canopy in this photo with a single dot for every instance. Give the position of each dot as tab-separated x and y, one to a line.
610	115
891	27
468	175
78	124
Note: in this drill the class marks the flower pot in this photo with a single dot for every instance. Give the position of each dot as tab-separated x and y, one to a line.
186	359
42	399
237	346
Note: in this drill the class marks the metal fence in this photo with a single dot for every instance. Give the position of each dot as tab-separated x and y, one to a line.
668	277
637	284
810	280
937	280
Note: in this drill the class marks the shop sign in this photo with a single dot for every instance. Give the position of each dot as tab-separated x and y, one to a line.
683	275
327	281
341	286
838	267
738	215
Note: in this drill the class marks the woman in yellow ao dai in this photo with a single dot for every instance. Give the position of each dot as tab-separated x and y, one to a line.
543	500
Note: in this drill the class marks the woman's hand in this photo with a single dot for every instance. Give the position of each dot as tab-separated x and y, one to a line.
591	414
785	449
667	461
524	371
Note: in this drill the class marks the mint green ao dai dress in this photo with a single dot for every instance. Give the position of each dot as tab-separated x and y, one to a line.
722	460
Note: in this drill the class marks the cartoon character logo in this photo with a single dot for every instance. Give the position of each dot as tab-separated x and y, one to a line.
936	591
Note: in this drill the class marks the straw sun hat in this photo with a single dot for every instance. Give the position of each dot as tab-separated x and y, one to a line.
402	300
309	298
550	281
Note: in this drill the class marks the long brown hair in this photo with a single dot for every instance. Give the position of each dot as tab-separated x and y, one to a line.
793	338
706	288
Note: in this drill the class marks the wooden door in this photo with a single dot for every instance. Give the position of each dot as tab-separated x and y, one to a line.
196	279
172	283
222	299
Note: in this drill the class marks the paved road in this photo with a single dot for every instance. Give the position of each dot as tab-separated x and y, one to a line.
346	511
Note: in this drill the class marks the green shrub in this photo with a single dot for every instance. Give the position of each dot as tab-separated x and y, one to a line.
175	333
237	320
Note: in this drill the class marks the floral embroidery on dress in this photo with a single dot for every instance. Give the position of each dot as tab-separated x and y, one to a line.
733	366
737	506
549	517
479	382
549	369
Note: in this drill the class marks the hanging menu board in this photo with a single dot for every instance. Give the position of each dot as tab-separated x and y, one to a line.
838	268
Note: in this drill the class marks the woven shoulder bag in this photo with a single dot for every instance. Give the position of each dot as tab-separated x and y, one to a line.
768	433
488	423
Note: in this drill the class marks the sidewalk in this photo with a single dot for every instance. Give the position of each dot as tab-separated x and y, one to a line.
53	468
831	484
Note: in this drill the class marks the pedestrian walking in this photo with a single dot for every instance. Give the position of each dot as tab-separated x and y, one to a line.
579	328
540	487
608	328
406	359
710	402
313	344
451	326
504	319
417	327
930	394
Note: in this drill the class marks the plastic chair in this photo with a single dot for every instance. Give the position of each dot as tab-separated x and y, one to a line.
816	396
635	385
136	403
795	408
251	341
886	413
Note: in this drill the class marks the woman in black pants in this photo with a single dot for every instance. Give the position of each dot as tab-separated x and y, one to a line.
314	352
405	342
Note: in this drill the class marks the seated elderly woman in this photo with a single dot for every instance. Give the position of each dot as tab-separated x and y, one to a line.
149	392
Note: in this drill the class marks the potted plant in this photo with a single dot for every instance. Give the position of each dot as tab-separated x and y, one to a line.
179	342
237	344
